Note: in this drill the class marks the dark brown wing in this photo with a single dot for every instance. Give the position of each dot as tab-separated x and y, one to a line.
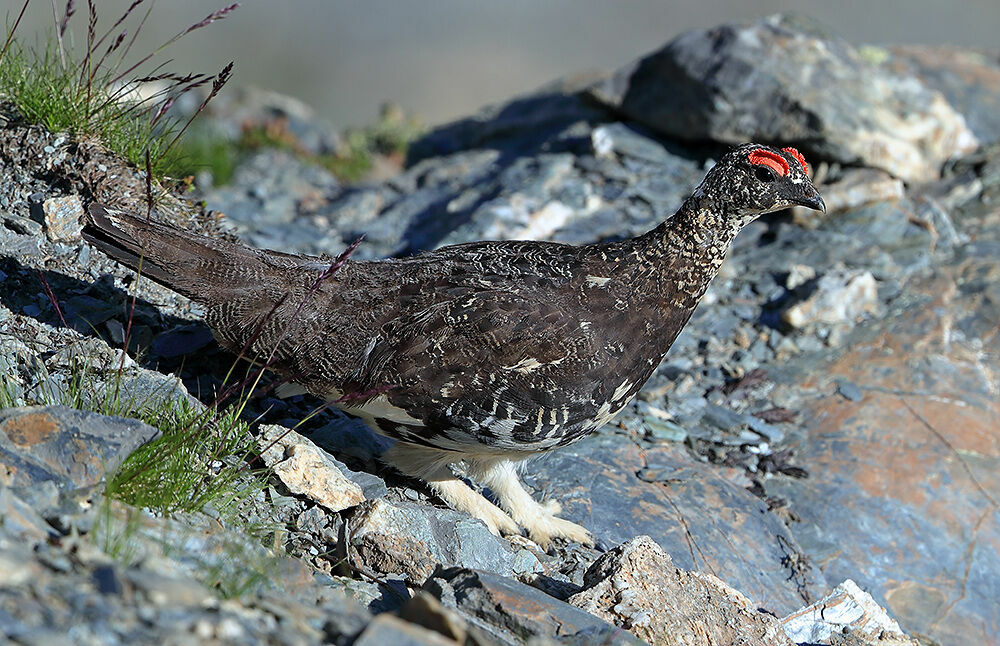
496	369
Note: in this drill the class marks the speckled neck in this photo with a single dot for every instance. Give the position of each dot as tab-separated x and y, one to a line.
685	252
672	265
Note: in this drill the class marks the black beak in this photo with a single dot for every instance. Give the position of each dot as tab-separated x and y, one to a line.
813	201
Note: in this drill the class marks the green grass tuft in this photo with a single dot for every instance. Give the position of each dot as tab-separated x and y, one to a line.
89	95
8	393
197	461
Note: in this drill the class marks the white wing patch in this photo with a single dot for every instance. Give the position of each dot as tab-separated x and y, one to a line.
621	390
610	408
526	365
597	281
380	408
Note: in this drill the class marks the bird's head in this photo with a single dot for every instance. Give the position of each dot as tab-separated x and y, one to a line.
754	179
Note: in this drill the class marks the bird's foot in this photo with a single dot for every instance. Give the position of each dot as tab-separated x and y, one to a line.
498	522
543	527
539	519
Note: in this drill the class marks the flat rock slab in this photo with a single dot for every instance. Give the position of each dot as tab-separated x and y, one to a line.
386	629
905	479
514	612
702	520
410	540
71	447
781	79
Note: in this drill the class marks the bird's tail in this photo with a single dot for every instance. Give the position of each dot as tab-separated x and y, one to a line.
187	263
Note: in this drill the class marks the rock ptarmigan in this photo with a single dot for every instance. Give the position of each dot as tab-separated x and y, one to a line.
484	353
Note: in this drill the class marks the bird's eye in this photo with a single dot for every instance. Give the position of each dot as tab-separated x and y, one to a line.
765	174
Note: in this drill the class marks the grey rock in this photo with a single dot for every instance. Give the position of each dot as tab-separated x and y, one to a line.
771	433
513	125
784	80
837	297
723	418
425	610
849	390
181	340
85	313
943	230
663	429
856	187
513	612
385	596
387	629
71	447
410	540
618	138
21	225
599	489
268	188
371	485
19	521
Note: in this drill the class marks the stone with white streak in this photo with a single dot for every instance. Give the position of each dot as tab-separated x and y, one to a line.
785	79
848	609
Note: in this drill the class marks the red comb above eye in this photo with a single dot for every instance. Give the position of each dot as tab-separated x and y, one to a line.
767	158
798	156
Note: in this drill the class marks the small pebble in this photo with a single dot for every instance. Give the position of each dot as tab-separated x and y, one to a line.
850	390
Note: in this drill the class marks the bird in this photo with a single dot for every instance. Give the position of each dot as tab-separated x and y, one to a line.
473	357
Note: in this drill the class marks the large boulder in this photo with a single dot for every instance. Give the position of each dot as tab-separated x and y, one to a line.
71	448
785	80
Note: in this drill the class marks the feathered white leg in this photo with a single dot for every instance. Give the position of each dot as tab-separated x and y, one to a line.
431	465
540	519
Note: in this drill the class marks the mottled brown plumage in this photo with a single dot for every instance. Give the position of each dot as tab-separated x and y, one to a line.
483	353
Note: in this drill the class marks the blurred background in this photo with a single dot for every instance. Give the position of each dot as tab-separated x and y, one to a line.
442	59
